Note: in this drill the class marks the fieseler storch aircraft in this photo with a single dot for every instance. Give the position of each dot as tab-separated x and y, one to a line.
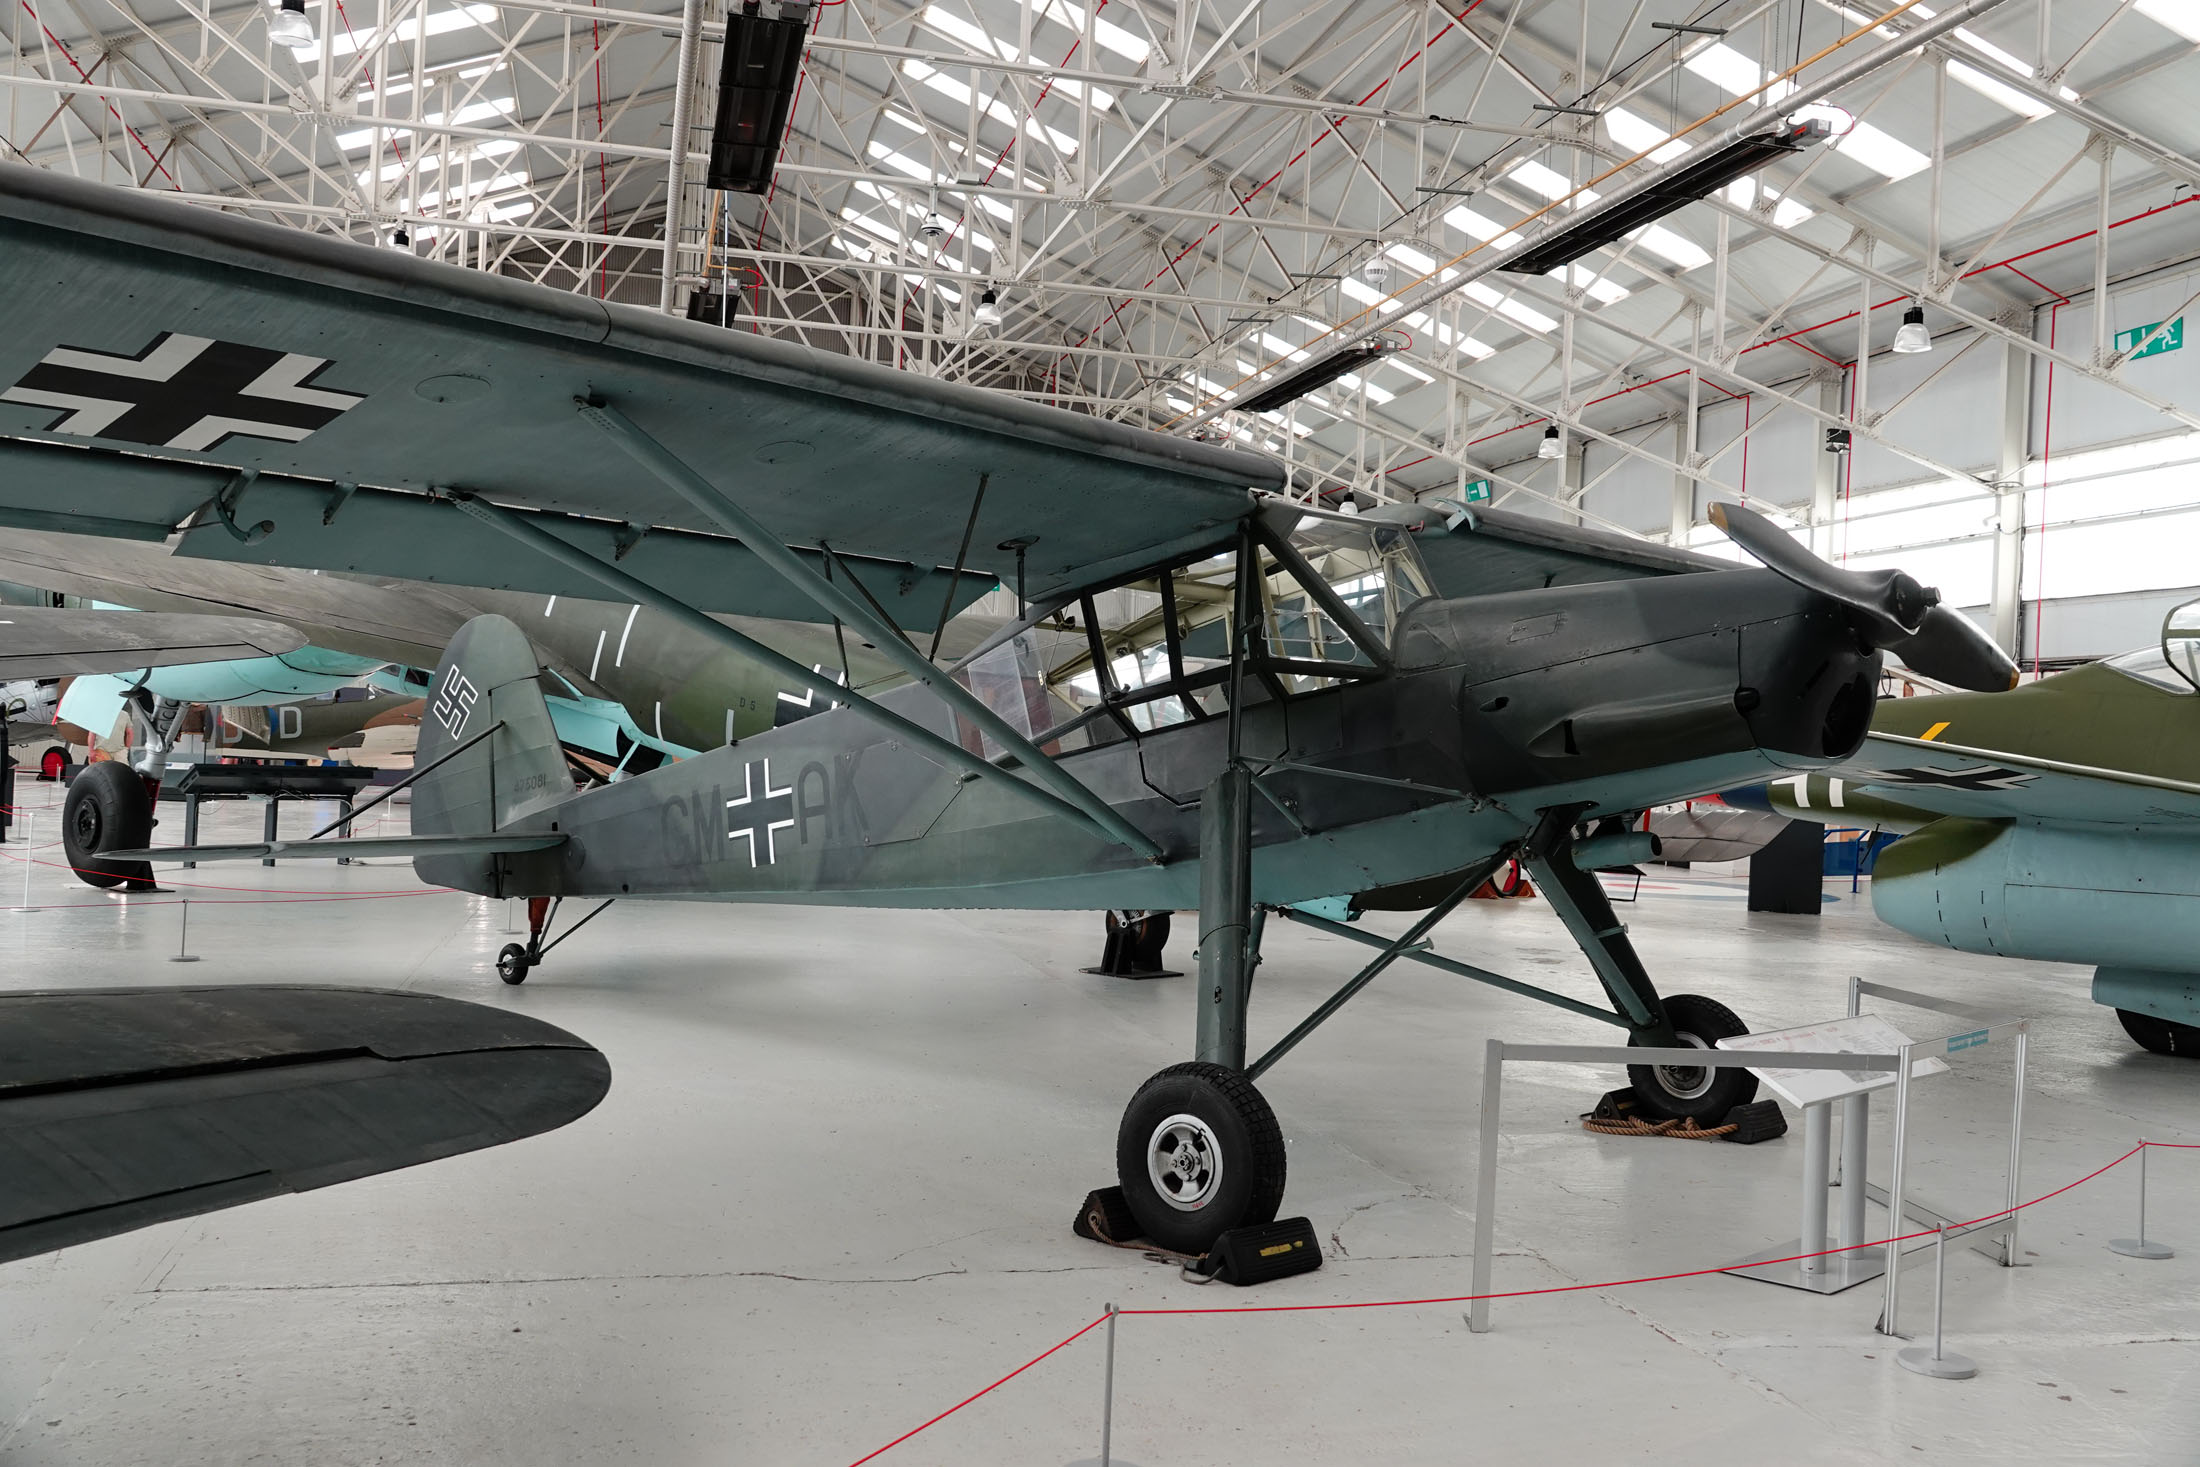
2059	822
1272	706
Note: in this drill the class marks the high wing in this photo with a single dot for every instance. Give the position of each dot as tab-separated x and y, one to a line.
1952	779
241	378
42	642
1473	551
123	1107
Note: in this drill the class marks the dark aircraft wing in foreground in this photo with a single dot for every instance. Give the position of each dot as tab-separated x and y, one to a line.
120	1108
39	642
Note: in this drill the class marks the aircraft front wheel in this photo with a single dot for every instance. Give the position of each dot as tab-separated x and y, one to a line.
512	964
2161	1036
1199	1152
1698	1092
107	809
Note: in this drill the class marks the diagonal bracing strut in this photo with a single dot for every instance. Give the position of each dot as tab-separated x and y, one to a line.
829	595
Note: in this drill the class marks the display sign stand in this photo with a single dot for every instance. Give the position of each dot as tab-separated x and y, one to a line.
1816	1092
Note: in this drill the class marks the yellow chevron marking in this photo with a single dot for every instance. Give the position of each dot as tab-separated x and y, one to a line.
1935	731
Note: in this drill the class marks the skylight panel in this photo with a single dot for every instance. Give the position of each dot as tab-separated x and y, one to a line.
1875	148
1786	213
1412	259
1367	295
1476	226
870	226
1213	389
1113	37
1278	344
501	183
1400	364
1594	285
1548	182
1998	92
2178	15
1457	341
443	22
1505	305
903	163
1640	135
1357	383
959	93
1676	249
953	26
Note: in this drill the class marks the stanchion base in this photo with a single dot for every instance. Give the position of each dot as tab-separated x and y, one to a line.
1836	1273
1946	1367
1113	1461
2141	1248
183	957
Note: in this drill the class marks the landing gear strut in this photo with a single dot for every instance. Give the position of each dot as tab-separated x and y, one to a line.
515	960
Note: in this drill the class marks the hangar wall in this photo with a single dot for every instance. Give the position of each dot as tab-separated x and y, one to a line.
2110	533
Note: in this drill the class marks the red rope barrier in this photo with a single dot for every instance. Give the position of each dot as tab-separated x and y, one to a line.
1004	1380
1527	1293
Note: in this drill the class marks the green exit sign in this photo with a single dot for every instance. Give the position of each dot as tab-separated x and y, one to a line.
2169	340
1478	492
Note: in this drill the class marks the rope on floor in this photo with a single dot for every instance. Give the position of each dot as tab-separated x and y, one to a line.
1681	1130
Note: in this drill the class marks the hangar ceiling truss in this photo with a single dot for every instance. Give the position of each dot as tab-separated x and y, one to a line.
1173	201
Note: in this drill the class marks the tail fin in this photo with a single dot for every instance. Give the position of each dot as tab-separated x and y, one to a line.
487	682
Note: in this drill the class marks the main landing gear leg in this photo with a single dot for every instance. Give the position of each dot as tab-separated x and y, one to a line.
1684	1020
1199	1151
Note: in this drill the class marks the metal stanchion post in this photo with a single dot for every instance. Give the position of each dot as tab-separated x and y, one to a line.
183	937
28	846
1895	1217
2011	1255
1107	1407
1485	1186
1935	1362
1856	1135
1817	1147
2139	1247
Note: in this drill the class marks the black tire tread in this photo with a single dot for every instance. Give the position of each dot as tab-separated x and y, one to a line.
1267	1163
2161	1036
1707	1019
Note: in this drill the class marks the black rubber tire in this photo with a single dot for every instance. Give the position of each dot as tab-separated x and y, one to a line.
1248	1143
107	809
1703	1022
2161	1036
53	765
512	964
1508	879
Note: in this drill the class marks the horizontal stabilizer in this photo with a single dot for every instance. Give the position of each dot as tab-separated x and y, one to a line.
124	1107
331	849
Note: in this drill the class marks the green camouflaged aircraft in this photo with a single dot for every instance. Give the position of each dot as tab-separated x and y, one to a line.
2058	822
1215	700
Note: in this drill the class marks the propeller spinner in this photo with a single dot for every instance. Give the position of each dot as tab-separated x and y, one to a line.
1896	613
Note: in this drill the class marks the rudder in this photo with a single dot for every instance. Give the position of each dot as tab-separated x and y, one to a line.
487	681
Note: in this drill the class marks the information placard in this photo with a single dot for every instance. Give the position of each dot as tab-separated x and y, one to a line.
1864	1034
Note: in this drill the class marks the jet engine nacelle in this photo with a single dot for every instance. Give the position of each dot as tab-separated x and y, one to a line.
2108	897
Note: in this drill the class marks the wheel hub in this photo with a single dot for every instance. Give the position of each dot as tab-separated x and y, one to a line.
1184	1162
1686	1082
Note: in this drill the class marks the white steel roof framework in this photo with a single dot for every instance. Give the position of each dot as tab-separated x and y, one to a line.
1171	199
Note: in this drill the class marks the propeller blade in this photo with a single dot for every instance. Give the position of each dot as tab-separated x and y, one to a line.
1951	648
1893	605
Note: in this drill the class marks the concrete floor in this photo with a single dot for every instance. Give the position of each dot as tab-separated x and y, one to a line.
829	1196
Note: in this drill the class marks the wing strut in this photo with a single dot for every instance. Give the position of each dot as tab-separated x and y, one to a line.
765	546
946	750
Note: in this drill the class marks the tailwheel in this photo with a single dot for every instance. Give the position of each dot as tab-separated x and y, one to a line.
1694	1092
512	963
1199	1152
